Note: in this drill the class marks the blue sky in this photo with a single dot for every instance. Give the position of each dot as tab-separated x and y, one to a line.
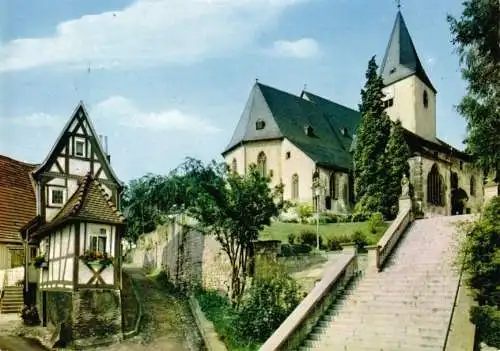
166	79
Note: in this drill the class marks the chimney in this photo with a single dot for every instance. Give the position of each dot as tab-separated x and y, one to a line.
106	148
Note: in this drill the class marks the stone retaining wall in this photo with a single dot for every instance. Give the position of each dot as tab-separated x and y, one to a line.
189	257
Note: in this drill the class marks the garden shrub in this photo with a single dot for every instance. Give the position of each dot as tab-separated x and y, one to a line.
291	238
359	238
271	298
288	250
307	237
30	316
487	320
334	244
375	222
328	217
304	211
480	257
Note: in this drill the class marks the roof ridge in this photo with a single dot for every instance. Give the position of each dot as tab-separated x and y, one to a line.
18	161
108	199
81	193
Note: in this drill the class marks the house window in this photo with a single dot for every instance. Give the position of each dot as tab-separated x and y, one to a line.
262	163
295	187
57	197
461	165
98	241
388	103
260	124
308	130
79	148
234	166
472	186
435	191
288	154
426	99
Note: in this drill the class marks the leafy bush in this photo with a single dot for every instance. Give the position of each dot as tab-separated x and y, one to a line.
359	217
271	298
304	211
327	217
294	250
30	316
334	244
480	257
487	320
376	221
291	238
307	237
360	239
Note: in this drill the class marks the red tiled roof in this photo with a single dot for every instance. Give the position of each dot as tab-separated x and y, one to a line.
90	202
17	198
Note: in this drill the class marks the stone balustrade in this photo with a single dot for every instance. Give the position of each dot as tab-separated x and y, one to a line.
302	320
391	236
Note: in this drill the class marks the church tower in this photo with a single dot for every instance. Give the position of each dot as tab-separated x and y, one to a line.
410	96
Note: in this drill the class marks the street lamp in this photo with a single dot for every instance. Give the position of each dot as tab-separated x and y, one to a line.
317	190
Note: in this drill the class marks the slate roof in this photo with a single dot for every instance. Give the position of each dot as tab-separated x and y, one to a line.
90	203
287	115
17	198
401	59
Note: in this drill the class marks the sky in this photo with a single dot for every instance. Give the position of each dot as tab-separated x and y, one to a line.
168	79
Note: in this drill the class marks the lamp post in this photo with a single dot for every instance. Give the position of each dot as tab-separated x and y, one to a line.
316	195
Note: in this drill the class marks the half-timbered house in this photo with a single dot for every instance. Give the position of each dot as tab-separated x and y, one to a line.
71	229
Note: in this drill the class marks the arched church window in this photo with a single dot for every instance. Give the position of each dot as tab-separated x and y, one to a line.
295	186
426	99
333	187
262	163
472	186
234	166
435	191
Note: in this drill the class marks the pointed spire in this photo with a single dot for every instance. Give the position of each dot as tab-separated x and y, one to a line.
401	58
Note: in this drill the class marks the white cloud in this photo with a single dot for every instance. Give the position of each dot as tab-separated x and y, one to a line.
148	32
301	48
125	113
38	119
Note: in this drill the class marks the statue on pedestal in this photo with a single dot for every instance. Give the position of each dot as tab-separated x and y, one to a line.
405	186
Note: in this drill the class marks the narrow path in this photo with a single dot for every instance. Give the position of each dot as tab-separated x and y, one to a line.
167	323
17	343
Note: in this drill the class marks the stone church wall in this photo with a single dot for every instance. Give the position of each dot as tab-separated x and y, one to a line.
189	257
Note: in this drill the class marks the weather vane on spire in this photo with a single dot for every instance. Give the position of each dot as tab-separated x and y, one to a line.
398	4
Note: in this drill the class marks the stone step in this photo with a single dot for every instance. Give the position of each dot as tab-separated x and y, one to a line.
424	319
400	299
333	328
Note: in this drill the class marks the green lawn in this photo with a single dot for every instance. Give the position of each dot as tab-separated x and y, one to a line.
281	230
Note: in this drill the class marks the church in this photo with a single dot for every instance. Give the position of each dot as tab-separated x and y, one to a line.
305	142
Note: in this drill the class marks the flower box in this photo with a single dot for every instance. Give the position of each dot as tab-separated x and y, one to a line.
97	259
40	262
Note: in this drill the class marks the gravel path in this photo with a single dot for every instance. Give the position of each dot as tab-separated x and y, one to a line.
167	324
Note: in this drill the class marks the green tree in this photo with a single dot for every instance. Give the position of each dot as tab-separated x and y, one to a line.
476	35
397	155
370	178
234	208
480	257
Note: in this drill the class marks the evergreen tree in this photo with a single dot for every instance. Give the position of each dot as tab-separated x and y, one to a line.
397	155
370	176
476	35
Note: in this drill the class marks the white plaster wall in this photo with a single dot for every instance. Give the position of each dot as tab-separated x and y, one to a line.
408	106
84	273
239	155
79	167
272	149
108	274
300	164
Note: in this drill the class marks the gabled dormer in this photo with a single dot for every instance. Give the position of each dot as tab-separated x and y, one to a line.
410	95
76	153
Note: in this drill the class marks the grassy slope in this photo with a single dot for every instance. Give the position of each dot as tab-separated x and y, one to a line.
280	230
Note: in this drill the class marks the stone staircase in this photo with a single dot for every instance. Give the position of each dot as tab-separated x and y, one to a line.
406	306
12	300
